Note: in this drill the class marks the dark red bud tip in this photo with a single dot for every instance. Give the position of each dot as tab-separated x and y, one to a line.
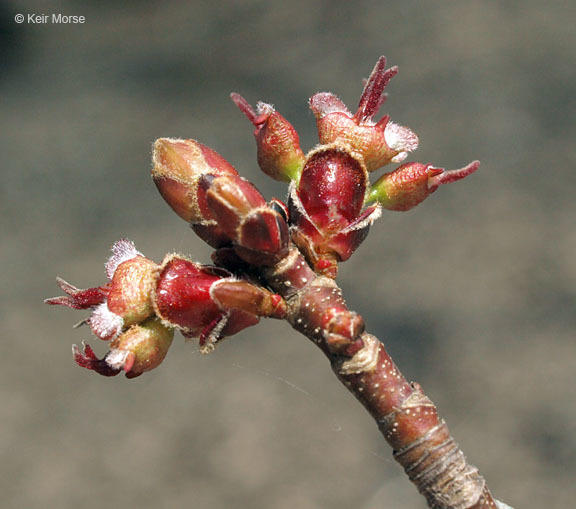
231	199
87	359
76	298
439	176
371	97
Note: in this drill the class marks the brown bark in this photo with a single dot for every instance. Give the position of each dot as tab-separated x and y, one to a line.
406	417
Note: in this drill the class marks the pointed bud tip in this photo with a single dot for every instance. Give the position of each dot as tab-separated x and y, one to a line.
371	98
244	106
439	176
169	156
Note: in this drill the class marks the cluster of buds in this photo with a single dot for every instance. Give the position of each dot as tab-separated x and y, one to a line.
331	205
224	209
144	302
331	201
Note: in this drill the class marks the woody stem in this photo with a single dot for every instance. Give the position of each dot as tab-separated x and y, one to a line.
407	418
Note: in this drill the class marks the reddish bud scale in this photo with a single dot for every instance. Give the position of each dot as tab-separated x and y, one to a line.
178	166
326	206
259	232
405	187
233	294
230	199
279	153
182	297
332	188
206	302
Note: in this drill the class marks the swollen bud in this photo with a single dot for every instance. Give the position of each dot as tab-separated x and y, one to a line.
378	143
258	231
208	303
328	222
179	165
279	152
410	184
128	300
141	348
130	290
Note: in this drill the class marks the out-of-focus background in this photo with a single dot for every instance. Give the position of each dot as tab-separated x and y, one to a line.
473	292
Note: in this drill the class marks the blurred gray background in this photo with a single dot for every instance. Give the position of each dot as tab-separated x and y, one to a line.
473	292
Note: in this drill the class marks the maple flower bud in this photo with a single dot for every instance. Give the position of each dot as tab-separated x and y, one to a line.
124	301
208	303
143	302
411	183
258	231
129	293
141	348
328	223
378	143
179	165
279	152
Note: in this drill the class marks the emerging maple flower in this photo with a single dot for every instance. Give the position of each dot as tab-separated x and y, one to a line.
144	302
124	301
378	143
411	183
330	209
141	348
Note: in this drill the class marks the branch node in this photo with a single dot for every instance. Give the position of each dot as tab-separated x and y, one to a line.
365	360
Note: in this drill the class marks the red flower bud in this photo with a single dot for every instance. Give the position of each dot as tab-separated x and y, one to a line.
279	152
412	183
326	208
377	142
207	303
